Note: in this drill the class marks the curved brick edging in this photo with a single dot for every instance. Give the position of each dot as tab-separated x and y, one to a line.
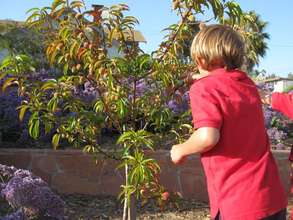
71	171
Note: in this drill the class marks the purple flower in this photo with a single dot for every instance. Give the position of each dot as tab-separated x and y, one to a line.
173	106
86	92
180	103
18	215
28	192
275	135
265	86
280	146
141	87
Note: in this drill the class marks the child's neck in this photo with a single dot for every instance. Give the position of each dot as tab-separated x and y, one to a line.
207	72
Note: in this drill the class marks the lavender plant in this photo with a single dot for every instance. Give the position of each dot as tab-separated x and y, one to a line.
29	195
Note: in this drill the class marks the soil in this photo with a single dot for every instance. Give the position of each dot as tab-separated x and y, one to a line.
80	207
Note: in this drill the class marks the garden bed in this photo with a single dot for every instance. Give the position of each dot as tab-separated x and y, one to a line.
60	170
80	207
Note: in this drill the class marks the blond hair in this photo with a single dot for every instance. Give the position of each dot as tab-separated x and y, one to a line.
218	45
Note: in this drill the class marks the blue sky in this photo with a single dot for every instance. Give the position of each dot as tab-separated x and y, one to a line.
156	15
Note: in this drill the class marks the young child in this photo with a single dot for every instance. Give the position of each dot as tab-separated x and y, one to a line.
281	102
242	175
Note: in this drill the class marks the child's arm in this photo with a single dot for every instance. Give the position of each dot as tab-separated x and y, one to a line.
202	140
207	119
281	102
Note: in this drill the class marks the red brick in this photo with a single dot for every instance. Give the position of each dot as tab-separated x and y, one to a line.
111	184
193	186
44	166
44	163
109	166
111	178
19	160
192	161
44	175
83	165
170	181
70	183
75	172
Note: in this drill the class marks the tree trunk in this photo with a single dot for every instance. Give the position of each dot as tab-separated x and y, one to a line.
132	208
125	196
129	212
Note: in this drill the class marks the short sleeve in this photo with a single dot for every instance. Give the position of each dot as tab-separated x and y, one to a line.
283	102
205	110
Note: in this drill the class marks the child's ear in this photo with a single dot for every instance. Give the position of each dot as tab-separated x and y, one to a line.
202	26
201	63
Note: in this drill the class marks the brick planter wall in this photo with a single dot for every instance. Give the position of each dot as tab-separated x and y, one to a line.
71	171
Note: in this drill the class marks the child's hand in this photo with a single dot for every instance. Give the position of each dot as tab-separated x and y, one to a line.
197	76
265	97
176	155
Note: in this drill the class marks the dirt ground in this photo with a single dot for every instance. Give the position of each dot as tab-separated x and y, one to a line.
81	207
109	208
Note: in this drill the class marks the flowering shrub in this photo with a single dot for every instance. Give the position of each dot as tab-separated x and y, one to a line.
11	129
29	195
278	126
18	215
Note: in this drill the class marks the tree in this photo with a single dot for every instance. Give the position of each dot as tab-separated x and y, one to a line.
21	40
253	31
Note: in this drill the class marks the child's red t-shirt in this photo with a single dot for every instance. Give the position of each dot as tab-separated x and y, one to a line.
284	103
242	175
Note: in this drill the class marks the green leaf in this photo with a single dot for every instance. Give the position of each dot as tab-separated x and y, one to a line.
34	124
144	59
52	104
57	3
64	33
2	75
76	4
122	107
9	82
22	111
90	149
50	84
60	59
53	56
48	127
65	69
32	10
7	61
73	48
99	106
33	17
55	140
